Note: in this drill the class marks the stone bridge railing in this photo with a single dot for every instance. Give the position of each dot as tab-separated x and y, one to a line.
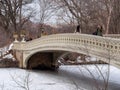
102	47
112	35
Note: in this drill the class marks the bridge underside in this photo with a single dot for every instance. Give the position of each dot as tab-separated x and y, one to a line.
40	60
43	60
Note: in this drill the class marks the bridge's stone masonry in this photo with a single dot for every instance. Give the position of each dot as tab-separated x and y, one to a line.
103	48
18	55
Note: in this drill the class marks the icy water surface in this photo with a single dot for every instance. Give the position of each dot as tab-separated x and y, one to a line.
65	78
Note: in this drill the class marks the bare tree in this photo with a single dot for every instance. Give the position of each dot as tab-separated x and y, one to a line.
77	11
115	19
108	12
90	13
46	11
23	82
73	7
11	15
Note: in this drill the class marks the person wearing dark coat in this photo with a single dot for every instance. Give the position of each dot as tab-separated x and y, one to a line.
99	31
78	29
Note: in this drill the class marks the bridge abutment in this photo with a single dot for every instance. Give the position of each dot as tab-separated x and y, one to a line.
18	55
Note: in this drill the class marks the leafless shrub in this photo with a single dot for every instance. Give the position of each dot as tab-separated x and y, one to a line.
22	81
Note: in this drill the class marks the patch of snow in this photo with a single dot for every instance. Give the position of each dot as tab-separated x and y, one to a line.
91	59
66	78
5	50
8	56
79	59
10	46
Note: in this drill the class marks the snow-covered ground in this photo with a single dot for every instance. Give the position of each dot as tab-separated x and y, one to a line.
75	77
5	50
66	78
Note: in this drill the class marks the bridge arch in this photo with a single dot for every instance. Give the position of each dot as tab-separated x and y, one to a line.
100	47
39	59
53	55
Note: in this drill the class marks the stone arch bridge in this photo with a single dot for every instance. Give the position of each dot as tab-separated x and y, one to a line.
46	49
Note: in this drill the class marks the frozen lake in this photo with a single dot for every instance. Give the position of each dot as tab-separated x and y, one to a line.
65	78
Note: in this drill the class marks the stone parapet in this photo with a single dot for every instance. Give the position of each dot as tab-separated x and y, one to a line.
104	48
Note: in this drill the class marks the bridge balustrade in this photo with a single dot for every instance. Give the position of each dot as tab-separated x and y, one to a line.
77	39
90	41
112	35
108	47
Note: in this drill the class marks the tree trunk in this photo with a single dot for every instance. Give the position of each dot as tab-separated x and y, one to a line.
108	21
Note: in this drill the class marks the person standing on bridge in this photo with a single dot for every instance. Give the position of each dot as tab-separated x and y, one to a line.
78	30
100	31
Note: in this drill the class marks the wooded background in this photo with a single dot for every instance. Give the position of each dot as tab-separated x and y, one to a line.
16	15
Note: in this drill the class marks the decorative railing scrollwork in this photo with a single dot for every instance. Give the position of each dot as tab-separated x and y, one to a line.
95	44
